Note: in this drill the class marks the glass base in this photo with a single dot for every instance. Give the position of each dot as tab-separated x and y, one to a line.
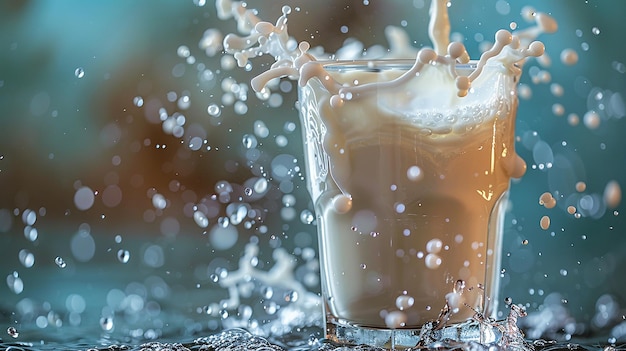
343	333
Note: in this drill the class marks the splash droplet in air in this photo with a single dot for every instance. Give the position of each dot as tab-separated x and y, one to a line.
79	72
123	256
60	262
13	332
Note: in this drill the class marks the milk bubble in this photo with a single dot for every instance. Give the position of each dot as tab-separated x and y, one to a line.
558	109
414	173
432	261
556	89
612	194
434	246
569	57
591	119
573	119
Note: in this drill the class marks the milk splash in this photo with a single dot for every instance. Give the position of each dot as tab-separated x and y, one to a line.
264	38
296	61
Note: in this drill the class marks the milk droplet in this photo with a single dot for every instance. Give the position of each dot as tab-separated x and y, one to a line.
138	101
200	219
79	72
612	194
26	258
214	110
581	186
307	217
556	89
547	200
29	217
158	201
249	141
31	233
571	209
291	296
569	57
13	332
260	186
591	119
395	319
558	109
453	300
342	203
106	323
123	255
414	173
432	261
15	283
404	301
573	119
434	246
60	262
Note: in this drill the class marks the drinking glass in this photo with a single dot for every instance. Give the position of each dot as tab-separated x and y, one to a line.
409	183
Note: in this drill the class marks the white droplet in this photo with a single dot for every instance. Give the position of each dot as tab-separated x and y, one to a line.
106	323
79	72
307	217
395	319
591	119
12	332
158	201
201	220
432	261
123	255
414	173
60	262
404	301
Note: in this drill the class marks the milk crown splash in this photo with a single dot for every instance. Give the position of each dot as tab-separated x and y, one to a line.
295	62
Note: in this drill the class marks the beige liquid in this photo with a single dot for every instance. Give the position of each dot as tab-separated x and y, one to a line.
421	201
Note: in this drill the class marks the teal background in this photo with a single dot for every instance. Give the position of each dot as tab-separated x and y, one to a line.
58	130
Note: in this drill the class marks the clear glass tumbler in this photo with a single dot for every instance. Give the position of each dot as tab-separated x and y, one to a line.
409	183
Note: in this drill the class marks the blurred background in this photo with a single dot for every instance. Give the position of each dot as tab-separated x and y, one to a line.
136	162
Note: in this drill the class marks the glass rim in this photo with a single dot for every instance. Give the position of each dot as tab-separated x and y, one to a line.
382	64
